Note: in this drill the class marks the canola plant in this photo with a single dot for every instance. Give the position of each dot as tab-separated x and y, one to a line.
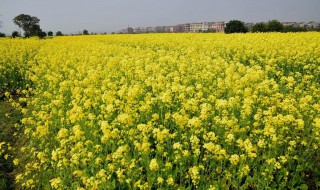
165	111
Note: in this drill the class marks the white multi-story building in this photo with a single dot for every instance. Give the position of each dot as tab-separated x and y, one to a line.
196	27
204	26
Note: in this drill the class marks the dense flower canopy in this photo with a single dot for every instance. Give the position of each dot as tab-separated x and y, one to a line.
166	111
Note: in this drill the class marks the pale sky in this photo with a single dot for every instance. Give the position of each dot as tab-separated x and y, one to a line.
73	16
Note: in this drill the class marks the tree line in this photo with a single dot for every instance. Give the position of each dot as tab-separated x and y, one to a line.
30	26
40	35
236	26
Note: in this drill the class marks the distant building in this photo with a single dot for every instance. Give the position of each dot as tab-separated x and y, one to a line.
128	30
217	26
196	27
205	26
139	30
124	31
150	29
159	29
187	27
309	25
302	24
294	24
178	28
167	29
313	25
171	29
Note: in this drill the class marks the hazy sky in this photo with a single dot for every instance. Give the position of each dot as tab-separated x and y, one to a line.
72	16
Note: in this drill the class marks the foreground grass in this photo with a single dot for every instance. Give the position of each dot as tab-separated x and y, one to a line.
8	118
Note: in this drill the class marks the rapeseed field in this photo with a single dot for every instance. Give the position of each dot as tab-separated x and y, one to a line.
165	111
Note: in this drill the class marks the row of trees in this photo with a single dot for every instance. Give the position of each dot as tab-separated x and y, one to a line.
15	34
44	34
276	26
236	26
30	26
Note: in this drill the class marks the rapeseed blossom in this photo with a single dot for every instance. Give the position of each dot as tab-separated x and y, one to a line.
154	165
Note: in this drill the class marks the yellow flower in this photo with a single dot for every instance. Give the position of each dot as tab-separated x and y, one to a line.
153	165
194	174
194	122
170	181
63	132
42	157
234	159
101	174
16	161
230	138
77	131
55	183
177	146
244	170
30	184
42	131
160	180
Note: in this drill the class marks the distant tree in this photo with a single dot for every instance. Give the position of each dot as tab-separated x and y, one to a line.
59	33
210	30
2	35
15	34
260	27
235	26
85	32
30	24
50	33
274	26
293	29
41	34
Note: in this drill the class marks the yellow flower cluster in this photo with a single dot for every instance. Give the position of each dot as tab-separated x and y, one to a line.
166	111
